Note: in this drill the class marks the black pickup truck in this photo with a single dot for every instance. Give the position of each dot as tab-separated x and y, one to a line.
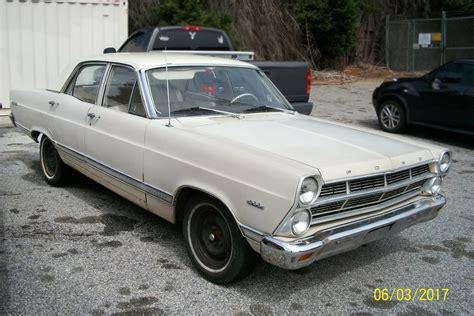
293	79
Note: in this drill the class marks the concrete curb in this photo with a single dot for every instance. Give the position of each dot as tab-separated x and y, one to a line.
5	112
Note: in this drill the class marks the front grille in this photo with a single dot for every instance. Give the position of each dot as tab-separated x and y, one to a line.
374	182
416	184
340	194
366	199
366	183
327	207
333	189
398	176
394	192
417	171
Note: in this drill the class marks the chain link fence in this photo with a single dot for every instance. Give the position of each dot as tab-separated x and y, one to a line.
424	44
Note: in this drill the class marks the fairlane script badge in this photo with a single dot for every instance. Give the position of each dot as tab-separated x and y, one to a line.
255	204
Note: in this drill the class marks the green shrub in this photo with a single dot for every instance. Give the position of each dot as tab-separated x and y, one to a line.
328	26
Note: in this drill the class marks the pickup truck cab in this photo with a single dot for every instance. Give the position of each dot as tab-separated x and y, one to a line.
292	78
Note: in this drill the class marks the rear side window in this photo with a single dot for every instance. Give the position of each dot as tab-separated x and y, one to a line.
137	43
182	39
87	83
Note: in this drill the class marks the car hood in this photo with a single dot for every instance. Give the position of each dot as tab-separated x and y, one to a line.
410	79
338	151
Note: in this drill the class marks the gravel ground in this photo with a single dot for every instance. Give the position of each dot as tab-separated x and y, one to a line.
84	250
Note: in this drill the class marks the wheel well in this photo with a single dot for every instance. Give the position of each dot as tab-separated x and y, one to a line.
183	196
397	99
35	135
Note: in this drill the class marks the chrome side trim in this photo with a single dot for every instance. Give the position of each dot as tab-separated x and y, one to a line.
251	233
141	186
26	130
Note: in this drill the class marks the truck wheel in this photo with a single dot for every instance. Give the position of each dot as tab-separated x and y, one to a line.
214	242
392	117
55	171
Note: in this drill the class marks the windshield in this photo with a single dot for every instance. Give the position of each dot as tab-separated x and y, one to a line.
203	90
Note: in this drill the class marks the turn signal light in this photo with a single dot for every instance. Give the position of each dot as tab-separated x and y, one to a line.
305	257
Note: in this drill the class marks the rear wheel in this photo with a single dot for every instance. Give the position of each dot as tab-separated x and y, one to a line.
392	117
215	243
54	170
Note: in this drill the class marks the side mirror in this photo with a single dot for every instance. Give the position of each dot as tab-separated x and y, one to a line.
109	50
436	84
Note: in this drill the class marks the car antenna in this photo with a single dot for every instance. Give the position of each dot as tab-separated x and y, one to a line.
168	90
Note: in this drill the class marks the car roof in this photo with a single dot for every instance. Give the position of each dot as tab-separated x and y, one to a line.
144	60
464	60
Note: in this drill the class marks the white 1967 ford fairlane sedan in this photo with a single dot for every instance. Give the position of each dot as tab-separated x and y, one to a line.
212	144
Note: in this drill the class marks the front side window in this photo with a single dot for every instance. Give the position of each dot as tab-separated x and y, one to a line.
122	92
230	89
87	83
451	73
468	74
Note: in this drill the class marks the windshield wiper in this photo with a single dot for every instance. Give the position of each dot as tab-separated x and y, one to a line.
266	107
200	108
221	112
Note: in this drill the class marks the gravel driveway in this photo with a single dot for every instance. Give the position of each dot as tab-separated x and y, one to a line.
84	250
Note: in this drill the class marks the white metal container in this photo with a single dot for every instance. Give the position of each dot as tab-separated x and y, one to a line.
39	38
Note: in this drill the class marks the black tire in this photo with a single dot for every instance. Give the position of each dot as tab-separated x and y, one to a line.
55	172
392	116
214	242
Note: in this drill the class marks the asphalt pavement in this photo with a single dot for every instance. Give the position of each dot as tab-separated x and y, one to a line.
82	249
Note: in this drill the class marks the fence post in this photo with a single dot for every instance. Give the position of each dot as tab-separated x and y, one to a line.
387	30
443	37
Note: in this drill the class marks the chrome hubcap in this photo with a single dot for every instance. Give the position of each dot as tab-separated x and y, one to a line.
390	116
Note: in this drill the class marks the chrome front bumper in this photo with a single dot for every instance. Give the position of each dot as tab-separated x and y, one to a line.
302	252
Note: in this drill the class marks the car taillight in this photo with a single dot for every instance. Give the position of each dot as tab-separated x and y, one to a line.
308	81
191	28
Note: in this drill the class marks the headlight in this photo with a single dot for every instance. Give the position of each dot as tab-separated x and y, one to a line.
432	186
444	162
300	222
308	191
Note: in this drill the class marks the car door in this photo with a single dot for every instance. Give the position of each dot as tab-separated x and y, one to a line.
465	114
114	137
443	98
69	108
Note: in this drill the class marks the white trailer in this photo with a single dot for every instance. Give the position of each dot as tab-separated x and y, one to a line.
39	38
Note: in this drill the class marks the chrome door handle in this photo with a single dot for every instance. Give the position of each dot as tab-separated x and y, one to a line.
92	116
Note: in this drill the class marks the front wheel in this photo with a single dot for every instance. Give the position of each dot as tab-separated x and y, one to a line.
214	242
392	117
54	170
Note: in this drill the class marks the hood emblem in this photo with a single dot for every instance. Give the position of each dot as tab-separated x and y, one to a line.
255	204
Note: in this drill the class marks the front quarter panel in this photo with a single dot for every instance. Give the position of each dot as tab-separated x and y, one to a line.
176	158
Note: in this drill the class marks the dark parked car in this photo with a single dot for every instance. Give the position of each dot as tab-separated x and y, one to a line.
443	98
